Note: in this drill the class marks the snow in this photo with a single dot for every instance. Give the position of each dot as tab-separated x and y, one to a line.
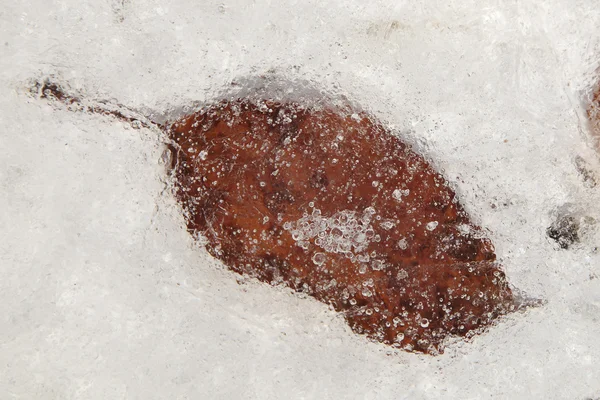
103	294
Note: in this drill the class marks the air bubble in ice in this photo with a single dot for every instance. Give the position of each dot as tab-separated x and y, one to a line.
363	258
377	265
431	225
387	225
319	258
346	232
360	237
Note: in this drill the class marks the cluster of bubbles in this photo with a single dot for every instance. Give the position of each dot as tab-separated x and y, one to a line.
345	232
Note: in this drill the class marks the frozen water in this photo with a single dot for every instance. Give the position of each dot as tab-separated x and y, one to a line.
431	225
345	232
103	293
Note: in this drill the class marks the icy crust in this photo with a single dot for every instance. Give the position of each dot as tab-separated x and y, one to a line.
331	204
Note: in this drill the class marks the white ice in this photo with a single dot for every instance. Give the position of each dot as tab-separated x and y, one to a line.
103	294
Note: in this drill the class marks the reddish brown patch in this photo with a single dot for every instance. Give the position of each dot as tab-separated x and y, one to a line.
593	113
250	176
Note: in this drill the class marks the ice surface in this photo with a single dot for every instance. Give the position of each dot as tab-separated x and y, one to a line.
104	295
345	232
